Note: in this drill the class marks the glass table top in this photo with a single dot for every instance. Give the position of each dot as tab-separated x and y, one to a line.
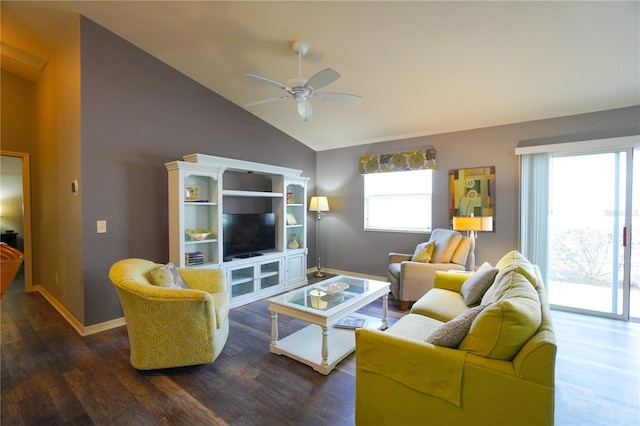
330	293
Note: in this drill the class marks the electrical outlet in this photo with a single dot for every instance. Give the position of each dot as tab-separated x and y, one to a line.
102	226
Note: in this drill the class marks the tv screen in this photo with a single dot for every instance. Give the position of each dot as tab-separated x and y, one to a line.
247	234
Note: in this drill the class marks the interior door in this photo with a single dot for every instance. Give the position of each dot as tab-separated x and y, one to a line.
16	201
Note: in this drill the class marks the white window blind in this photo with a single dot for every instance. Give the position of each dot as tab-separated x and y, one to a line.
398	202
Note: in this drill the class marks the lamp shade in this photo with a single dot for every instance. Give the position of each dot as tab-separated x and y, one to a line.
474	223
319	204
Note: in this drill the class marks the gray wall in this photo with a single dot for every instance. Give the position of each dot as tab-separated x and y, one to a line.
345	246
137	114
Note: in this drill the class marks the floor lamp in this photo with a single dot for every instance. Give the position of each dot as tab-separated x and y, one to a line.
319	205
472	224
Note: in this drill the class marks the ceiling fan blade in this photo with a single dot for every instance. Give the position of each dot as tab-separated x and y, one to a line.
266	101
341	98
323	78
265	81
304	107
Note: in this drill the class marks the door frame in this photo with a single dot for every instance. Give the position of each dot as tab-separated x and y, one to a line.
26	215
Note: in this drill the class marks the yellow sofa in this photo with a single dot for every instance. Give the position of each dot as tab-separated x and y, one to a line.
501	373
172	327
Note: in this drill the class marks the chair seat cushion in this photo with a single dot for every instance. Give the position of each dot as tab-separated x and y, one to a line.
440	304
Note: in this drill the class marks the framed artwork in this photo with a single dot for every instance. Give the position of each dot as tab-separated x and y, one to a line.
473	191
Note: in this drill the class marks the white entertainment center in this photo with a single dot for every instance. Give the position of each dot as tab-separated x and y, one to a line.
204	188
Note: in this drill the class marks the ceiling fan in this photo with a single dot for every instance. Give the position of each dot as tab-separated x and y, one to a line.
301	90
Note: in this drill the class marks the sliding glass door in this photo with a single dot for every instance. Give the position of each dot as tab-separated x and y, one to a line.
592	264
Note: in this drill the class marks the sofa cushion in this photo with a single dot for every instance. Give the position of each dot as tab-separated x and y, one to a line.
440	304
511	263
477	284
504	327
446	242
451	333
415	327
423	252
167	276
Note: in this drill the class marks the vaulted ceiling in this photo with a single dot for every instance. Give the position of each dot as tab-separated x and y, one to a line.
421	67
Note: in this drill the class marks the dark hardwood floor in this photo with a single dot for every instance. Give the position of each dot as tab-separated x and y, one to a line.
51	375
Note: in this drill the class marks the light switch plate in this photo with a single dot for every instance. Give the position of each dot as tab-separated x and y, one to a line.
102	227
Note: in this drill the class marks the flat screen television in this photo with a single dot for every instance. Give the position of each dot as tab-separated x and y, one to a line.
247	234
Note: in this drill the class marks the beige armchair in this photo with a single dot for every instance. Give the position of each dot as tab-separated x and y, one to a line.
172	327
411	280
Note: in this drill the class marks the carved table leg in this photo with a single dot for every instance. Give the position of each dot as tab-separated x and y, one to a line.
274	328
325	346
385	311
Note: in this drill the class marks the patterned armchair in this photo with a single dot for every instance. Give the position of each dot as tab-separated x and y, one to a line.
172	327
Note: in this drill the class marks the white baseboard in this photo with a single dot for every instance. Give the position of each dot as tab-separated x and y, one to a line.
80	328
118	322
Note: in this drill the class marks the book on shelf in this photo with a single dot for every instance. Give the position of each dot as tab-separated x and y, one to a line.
194	258
351	322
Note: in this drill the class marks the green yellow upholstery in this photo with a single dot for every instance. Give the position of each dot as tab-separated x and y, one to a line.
502	372
172	327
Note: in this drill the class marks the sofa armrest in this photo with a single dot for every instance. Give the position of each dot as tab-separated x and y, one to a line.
209	280
451	281
399	257
426	368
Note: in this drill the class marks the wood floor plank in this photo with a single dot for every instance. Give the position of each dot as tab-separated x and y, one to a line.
51	375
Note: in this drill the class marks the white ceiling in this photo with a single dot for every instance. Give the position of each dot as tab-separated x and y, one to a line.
421	67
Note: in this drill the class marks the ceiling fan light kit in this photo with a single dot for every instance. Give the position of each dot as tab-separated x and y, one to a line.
301	89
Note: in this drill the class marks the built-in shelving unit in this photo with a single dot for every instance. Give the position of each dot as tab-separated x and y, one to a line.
202	188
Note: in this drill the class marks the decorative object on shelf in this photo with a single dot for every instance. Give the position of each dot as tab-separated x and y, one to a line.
320	205
291	199
473	224
198	234
317	299
191	192
473	192
293	243
291	219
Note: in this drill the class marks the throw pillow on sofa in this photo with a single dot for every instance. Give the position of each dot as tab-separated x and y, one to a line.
477	284
451	333
424	252
167	276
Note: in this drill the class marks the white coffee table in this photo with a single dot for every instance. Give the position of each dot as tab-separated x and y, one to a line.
320	345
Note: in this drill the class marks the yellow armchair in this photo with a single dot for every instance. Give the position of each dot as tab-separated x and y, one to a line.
172	327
